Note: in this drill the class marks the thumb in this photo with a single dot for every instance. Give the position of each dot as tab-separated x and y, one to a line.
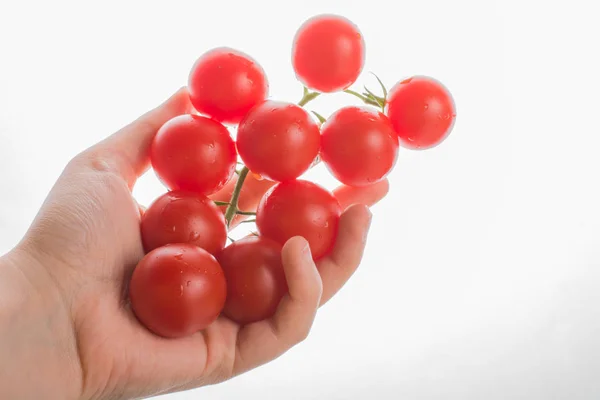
126	152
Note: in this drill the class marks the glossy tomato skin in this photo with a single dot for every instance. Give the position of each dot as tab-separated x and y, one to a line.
193	153
225	84
255	279
278	140
328	53
177	290
422	112
359	145
300	208
184	217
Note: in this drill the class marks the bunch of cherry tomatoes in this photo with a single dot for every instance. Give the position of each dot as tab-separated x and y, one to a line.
189	276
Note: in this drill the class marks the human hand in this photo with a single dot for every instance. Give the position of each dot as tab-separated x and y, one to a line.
63	290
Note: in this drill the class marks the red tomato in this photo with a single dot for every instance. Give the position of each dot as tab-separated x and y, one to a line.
193	153
328	53
359	145
177	290
184	217
422	112
255	279
225	84
300	208
278	141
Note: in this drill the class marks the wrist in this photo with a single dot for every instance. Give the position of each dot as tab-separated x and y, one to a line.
38	352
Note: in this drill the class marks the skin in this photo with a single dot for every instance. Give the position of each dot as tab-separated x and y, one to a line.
63	304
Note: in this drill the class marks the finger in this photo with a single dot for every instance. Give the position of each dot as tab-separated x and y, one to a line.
367	195
266	340
347	252
126	152
184	363
142	209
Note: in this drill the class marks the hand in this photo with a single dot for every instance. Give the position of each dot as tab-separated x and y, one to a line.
64	286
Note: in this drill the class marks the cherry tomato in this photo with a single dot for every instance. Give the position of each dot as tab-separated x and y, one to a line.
300	208
177	290
359	145
422	112
225	84
278	141
255	279
328	53
184	217
193	153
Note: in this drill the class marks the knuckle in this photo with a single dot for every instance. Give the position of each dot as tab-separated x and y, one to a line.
98	168
302	334
100	161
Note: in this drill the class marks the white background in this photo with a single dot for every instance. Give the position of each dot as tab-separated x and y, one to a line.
481	278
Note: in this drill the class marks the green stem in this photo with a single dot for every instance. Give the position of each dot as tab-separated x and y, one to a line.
319	117
307	97
316	161
232	208
238	212
222	203
363	98
248	221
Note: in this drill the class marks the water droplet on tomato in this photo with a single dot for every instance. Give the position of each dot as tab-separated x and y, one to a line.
426	106
180	290
188	283
179	256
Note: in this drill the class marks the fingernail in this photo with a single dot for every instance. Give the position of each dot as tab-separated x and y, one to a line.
306	254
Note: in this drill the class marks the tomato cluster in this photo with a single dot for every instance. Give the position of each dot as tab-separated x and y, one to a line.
189	276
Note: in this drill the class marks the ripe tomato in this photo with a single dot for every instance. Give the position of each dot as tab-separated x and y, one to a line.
359	145
278	141
193	153
422	112
177	290
184	217
328	53
300	208
255	279
225	84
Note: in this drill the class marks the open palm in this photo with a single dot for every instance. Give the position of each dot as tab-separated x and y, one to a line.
87	237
